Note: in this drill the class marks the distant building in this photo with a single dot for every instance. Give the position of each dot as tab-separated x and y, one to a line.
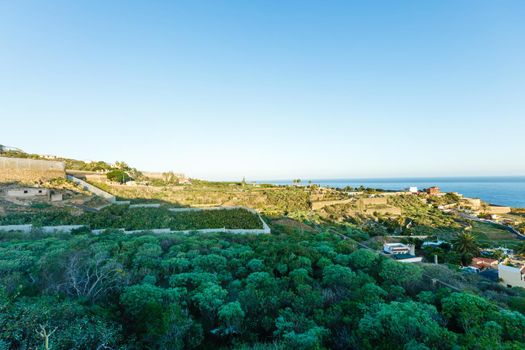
511	273
484	263
402	252
27	193
396	248
433	191
413	189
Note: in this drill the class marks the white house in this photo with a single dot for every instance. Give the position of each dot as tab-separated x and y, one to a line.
511	273
28	192
396	248
401	252
412	189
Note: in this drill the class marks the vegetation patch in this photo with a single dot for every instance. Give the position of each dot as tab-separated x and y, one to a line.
493	233
118	216
284	291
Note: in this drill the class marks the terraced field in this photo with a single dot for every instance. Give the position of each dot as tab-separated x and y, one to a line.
118	216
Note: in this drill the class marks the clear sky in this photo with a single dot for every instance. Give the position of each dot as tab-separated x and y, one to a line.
269	89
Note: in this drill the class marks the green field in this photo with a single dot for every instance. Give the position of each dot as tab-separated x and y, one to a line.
118	216
487	232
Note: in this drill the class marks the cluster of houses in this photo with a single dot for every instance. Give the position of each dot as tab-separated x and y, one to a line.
509	270
433	191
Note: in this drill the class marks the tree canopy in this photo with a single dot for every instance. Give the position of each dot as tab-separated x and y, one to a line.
280	291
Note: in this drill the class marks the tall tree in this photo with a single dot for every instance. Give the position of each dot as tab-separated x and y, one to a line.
467	246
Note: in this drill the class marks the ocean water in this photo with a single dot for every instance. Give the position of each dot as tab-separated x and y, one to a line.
508	191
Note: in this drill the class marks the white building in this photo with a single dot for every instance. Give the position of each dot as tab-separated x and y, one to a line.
396	248
27	192
511	273
402	252
412	189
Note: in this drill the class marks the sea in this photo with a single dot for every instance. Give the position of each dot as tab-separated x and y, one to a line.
501	190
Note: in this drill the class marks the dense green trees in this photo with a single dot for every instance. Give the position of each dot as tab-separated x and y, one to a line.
118	175
293	291
411	323
121	216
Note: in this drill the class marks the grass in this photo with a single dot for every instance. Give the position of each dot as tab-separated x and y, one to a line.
491	233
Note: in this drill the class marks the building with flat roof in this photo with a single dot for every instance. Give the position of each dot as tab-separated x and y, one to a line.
27	192
511	273
433	191
401	252
396	248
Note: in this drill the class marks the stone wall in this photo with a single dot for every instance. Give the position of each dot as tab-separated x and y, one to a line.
93	189
321	204
372	201
30	170
496	209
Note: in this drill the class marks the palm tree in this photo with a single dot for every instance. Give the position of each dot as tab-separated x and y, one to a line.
466	245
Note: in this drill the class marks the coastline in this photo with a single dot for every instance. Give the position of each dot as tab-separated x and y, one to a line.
499	190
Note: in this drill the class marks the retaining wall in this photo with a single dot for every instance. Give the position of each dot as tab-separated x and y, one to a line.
95	190
321	204
45	229
68	228
30	170
148	205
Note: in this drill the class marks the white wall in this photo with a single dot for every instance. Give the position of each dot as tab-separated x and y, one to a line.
510	276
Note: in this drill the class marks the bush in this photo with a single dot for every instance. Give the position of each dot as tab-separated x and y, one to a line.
118	176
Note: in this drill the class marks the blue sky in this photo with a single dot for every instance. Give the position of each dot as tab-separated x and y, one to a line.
269	89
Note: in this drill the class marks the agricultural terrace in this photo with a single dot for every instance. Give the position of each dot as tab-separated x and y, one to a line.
120	216
269	199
